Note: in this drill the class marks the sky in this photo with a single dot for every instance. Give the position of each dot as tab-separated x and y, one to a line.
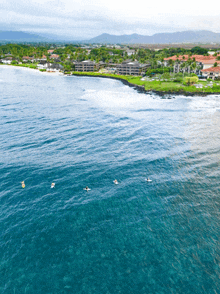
85	19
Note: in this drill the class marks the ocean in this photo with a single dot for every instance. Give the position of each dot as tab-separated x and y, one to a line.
137	237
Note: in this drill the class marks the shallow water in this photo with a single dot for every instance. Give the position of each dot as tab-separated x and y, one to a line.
134	237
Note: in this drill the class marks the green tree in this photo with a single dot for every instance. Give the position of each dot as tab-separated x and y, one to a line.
190	80
166	76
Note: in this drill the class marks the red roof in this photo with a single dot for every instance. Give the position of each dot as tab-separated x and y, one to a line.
50	51
212	69
54	56
199	58
27	57
210	61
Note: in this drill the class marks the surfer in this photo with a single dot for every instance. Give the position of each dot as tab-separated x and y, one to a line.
52	185
87	188
148	180
22	184
115	182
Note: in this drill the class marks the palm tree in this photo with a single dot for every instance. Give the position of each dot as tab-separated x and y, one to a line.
193	66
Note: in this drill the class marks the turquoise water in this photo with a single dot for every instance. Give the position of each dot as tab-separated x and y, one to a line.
134	237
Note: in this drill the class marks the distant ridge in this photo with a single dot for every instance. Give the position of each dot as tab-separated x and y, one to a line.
161	38
16	36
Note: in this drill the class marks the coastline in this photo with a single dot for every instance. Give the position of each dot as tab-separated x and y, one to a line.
139	88
28	68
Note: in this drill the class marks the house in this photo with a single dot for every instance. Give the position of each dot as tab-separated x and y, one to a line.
211	73
7	60
54	56
130	52
27	59
132	68
86	65
43	58
41	64
51	67
209	63
50	51
54	67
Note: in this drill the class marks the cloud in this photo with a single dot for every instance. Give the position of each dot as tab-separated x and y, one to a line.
89	18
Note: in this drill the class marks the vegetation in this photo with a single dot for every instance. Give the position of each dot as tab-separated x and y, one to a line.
190	80
158	77
162	86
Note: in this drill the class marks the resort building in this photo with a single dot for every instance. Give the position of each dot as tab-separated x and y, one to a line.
132	68
211	73
201	60
52	67
86	66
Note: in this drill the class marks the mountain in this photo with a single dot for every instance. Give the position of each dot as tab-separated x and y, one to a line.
161	38
20	37
16	36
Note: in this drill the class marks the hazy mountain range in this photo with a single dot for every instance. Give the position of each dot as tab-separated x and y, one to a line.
161	38
15	36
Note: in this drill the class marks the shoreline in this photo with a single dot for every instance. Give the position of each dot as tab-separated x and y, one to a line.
139	88
35	69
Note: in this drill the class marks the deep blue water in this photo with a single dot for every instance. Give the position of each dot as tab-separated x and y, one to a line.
135	237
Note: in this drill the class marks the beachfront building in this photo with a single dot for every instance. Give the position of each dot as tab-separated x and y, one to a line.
7	60
180	67
86	66
51	67
55	67
202	62
132	68
26	59
42	64
211	73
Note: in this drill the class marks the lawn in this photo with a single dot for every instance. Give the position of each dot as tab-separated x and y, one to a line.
161	86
